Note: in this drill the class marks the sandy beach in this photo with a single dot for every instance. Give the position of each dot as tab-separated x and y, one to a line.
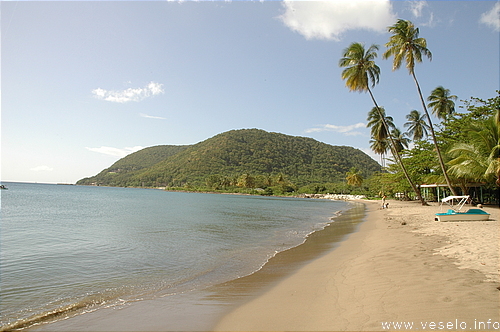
400	267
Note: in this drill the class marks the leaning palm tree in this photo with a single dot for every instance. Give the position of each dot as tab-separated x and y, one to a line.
441	102
405	44
417	128
360	72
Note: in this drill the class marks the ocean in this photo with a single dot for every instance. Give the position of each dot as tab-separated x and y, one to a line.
69	250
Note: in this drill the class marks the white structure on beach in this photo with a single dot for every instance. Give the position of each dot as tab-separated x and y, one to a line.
339	197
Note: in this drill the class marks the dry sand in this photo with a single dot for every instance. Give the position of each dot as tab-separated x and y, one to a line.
401	266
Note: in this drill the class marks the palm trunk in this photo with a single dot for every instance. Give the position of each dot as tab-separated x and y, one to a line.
438	151
395	153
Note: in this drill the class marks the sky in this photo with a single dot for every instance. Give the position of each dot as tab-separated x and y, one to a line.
83	84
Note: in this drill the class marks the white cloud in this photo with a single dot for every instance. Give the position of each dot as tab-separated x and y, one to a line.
492	17
330	19
430	23
130	94
416	7
42	168
152	116
116	152
346	130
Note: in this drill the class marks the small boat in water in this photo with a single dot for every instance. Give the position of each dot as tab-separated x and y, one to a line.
3	187
455	212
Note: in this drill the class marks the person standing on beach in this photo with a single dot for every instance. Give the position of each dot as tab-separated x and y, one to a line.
383	202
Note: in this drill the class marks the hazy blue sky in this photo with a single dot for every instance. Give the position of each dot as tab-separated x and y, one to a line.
85	83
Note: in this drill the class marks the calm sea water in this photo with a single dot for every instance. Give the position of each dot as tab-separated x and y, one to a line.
67	249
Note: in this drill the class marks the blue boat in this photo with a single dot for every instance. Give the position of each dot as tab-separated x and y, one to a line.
456	213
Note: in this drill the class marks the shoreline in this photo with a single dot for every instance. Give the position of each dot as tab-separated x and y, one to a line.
383	271
400	266
177	311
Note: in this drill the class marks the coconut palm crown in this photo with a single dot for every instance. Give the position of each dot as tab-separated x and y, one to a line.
360	69
441	102
417	128
405	44
401	140
375	122
354	178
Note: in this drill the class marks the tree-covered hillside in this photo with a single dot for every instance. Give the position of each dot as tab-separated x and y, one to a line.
120	172
234	153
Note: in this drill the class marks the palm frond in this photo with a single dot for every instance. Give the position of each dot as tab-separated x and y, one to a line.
404	44
360	69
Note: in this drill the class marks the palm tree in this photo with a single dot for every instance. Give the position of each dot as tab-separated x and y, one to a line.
417	128
354	178
376	124
441	102
379	144
477	160
497	121
405	44
246	181
360	72
361	69
400	139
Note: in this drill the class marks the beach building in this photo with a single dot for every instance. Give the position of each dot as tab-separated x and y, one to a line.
479	194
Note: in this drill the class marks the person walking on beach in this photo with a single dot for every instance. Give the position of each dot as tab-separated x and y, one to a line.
383	202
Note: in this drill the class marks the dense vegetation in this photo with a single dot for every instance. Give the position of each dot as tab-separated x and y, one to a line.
120	172
461	152
471	151
247	158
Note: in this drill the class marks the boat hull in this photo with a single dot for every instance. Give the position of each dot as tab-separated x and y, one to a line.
471	215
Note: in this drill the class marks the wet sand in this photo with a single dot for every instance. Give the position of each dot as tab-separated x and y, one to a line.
200	310
401	266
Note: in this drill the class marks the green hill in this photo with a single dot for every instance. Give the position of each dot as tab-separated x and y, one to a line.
229	155
119	173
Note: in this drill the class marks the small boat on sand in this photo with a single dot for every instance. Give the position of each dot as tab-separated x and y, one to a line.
455	212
